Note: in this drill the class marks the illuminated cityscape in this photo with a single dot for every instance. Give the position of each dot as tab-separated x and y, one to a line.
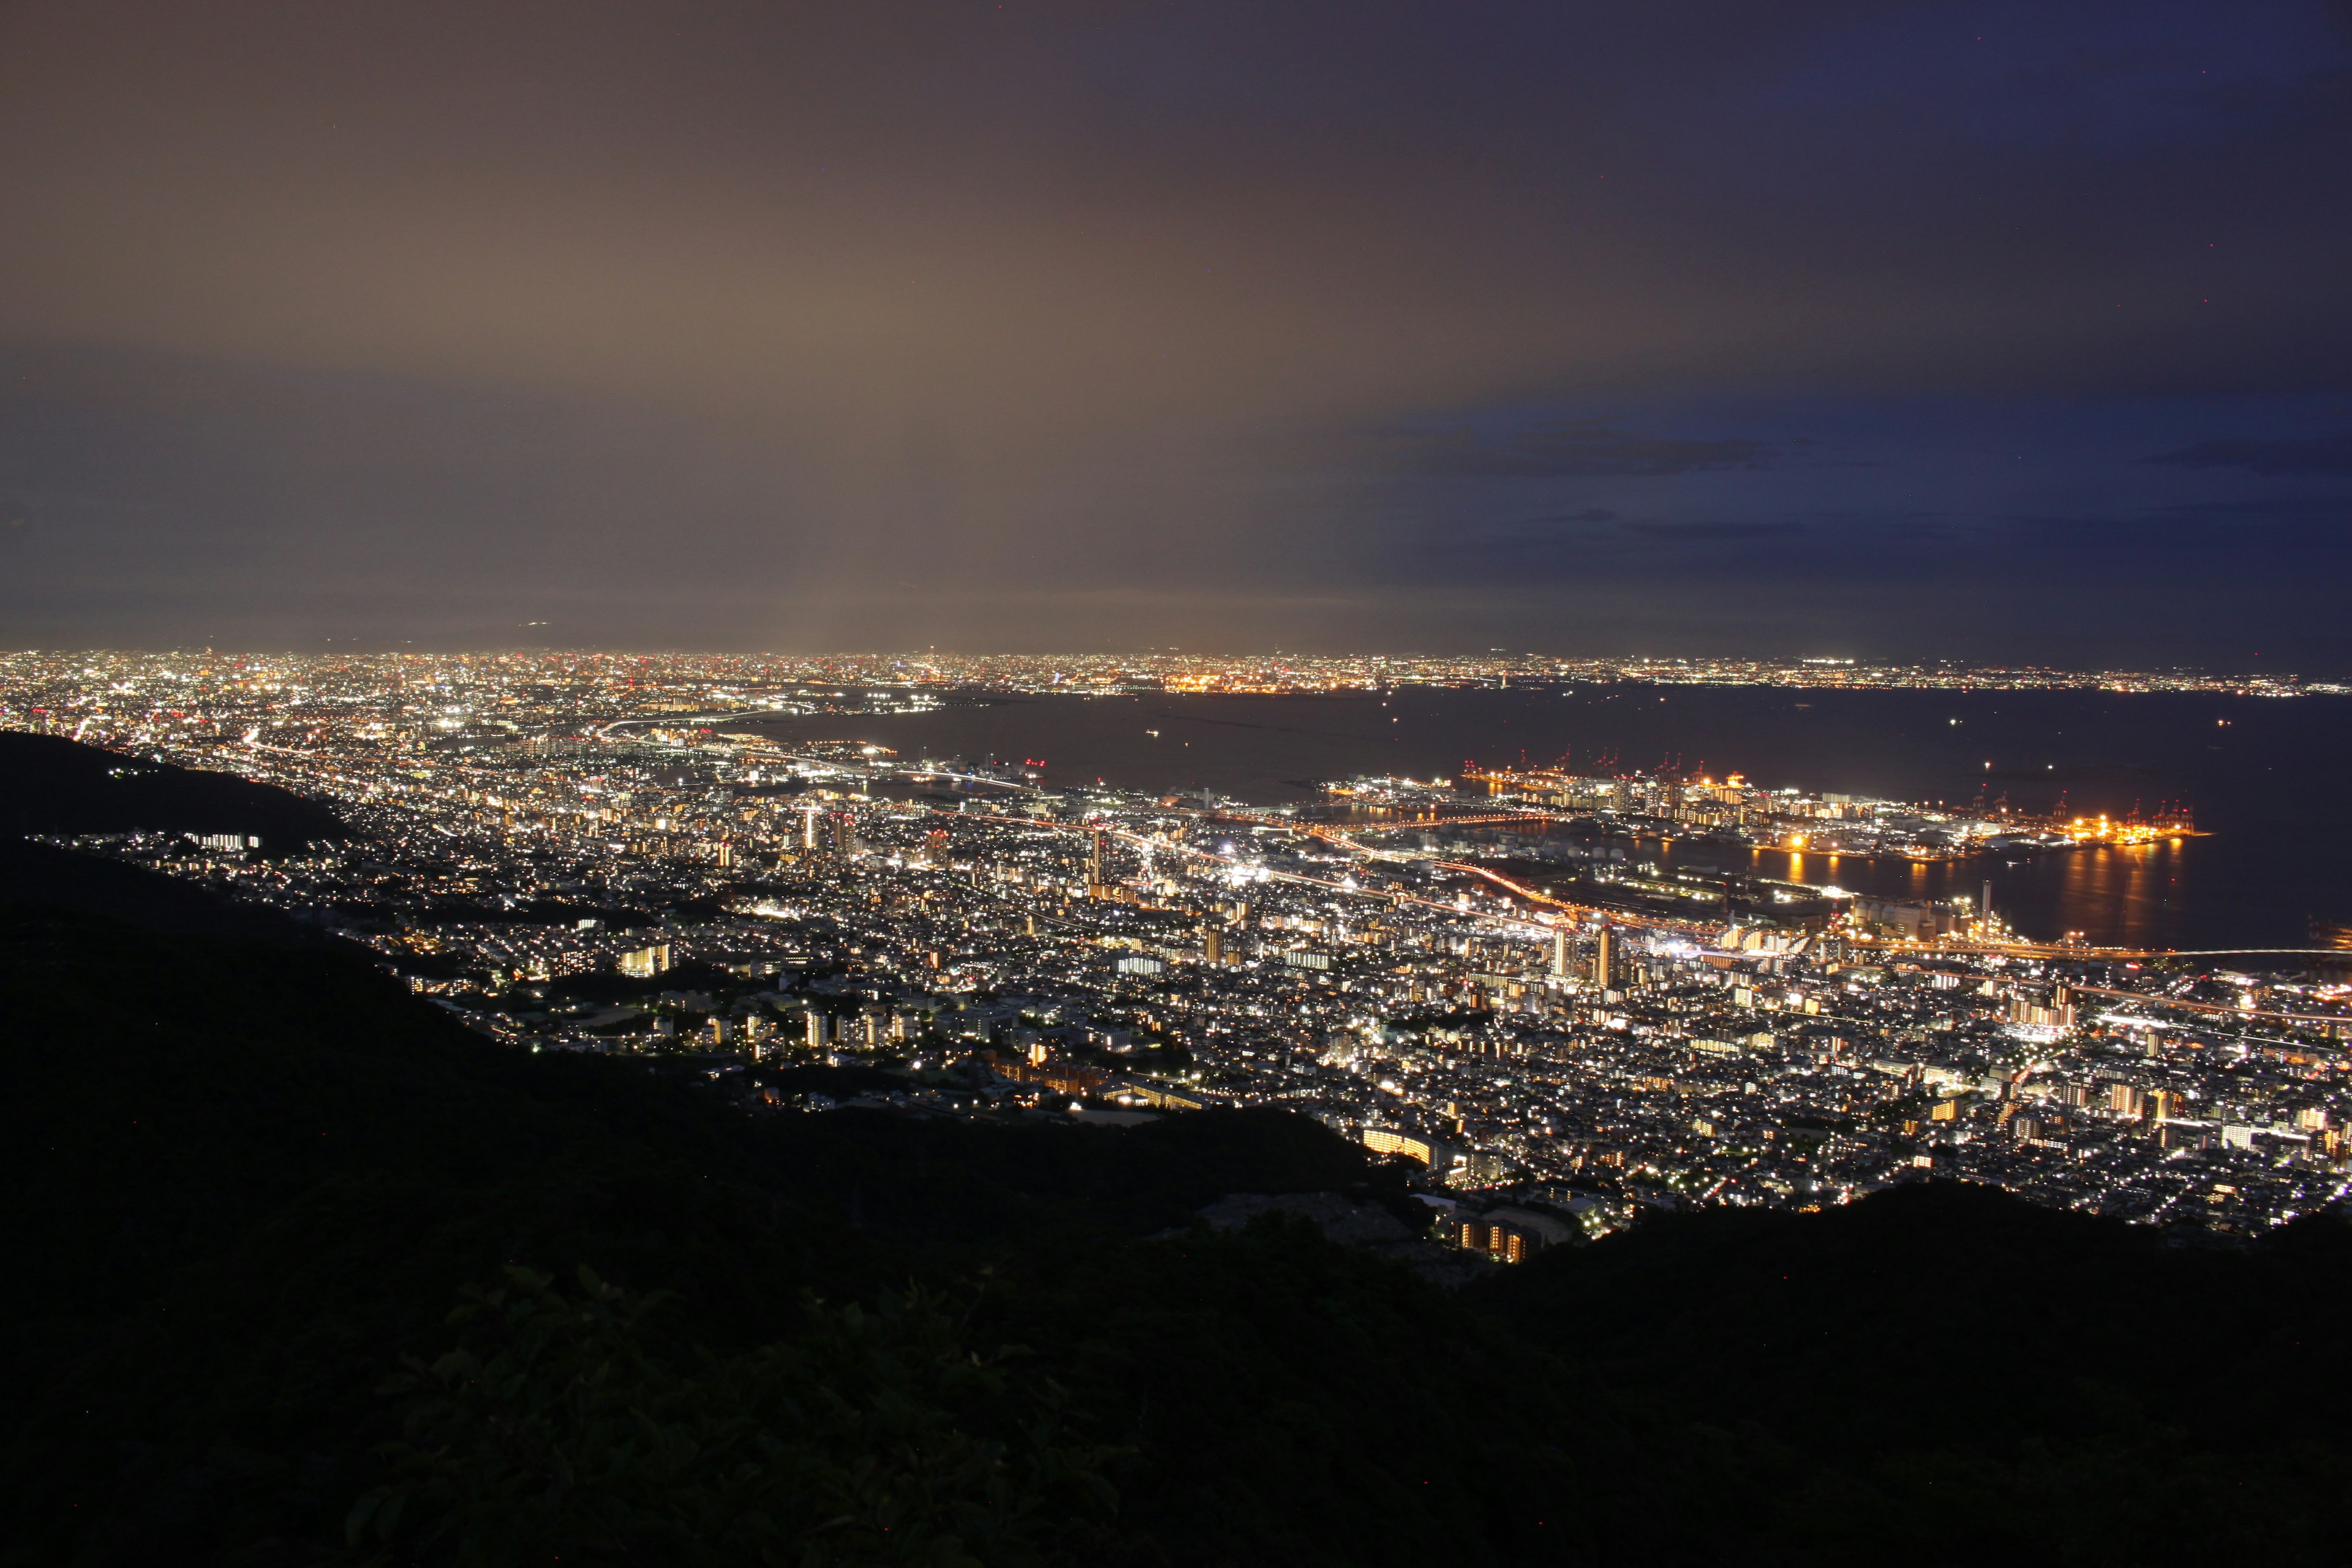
1147	785
1505	977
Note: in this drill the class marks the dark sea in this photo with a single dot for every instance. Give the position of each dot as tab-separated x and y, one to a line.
2270	780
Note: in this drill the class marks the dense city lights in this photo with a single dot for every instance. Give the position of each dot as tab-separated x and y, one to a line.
1494	973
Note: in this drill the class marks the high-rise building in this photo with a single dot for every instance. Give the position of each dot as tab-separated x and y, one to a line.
1383	1140
646	963
1511	1234
1605	957
1560	953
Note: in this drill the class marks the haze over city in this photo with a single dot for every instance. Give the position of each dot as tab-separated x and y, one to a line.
1994	331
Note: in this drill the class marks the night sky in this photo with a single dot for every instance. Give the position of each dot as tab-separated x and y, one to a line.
2008	331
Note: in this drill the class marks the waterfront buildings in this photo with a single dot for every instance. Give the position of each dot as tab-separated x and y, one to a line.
579	852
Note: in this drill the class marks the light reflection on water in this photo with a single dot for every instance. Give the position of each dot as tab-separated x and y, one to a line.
2121	897
2262	775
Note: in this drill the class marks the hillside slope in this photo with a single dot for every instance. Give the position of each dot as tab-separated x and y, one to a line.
51	784
250	1176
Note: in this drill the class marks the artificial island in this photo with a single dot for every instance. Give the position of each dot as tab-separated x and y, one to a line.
1564	997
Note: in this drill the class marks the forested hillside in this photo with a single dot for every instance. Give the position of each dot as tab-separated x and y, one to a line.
251	1179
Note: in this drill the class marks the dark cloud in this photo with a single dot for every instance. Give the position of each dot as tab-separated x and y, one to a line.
2317	455
2283	568
915	319
1583	450
1715	530
2261	508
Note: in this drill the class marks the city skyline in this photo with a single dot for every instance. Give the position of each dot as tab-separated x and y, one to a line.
1205	672
1598	990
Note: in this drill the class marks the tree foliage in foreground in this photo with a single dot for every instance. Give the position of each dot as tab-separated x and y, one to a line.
869	1436
247	1179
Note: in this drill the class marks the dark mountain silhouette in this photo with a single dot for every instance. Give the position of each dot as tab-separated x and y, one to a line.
249	1179
53	785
